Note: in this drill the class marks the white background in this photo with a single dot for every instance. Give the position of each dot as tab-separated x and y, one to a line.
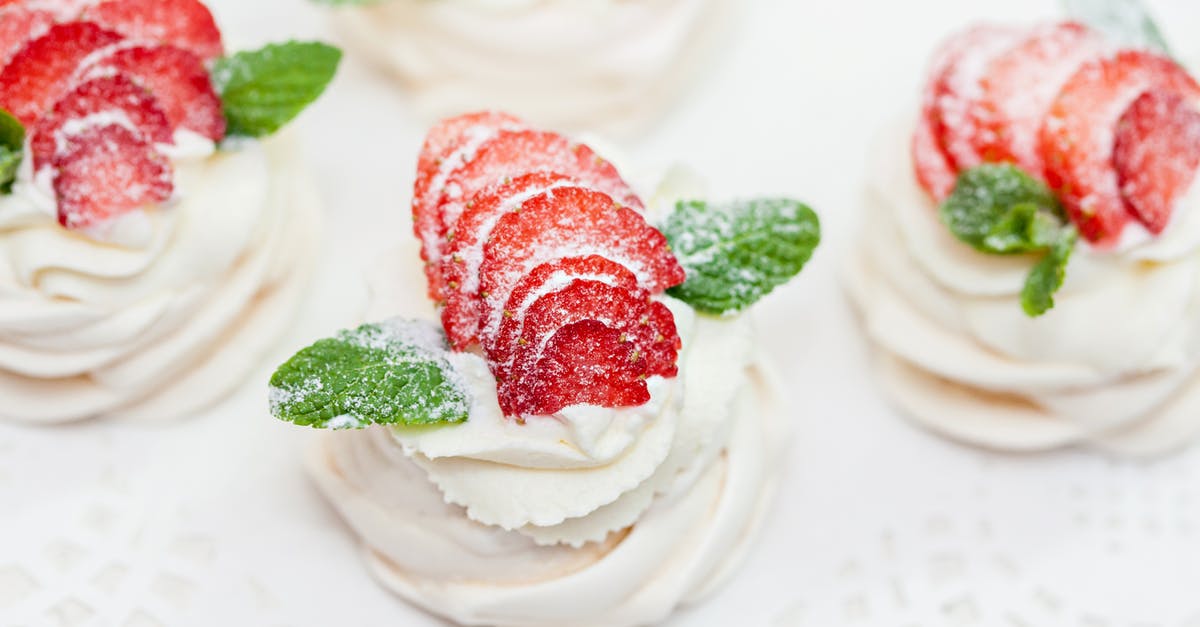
211	520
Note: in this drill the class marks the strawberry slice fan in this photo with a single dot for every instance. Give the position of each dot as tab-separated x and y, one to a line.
103	87
539	254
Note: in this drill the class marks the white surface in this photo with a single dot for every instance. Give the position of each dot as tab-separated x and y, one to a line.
211	521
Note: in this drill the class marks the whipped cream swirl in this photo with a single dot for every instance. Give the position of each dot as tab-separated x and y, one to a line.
170	312
1112	365
596	64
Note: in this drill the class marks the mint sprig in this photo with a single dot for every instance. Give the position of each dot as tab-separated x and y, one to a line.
999	209
392	372
12	149
1127	22
264	89
735	254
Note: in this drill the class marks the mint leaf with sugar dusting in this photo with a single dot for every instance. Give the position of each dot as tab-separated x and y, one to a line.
12	149
261	90
735	254
392	372
999	209
1127	22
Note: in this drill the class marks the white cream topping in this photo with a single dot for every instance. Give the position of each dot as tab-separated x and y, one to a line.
1121	344
571	63
170	316
693	515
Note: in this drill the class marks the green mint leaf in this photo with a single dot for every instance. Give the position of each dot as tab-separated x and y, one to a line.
1127	22
998	208
393	372
1026	227
739	252
1001	210
12	149
263	89
1047	276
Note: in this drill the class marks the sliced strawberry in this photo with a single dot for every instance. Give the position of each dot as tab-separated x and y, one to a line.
464	252
582	363
62	10
955	91
1019	86
186	24
615	307
1157	153
549	278
933	168
514	153
39	74
19	25
573	222
1078	136
115	95
177	78
107	171
448	146
660	340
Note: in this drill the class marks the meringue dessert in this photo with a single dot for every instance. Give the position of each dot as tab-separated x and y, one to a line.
601	64
153	235
590	435
1030	268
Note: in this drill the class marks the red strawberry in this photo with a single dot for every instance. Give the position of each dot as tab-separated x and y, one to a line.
448	145
954	92
660	340
108	96
582	363
1019	86
514	153
933	168
63	10
629	352
1078	135
38	75
546	279
1156	155
186	24
19	25
573	222
107	171
178	79
464	252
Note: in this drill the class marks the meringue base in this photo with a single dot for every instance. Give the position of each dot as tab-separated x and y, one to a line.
610	66
969	365
431	554
218	340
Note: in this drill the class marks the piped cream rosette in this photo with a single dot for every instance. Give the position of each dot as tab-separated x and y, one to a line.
171	316
593	516
597	64
1113	365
